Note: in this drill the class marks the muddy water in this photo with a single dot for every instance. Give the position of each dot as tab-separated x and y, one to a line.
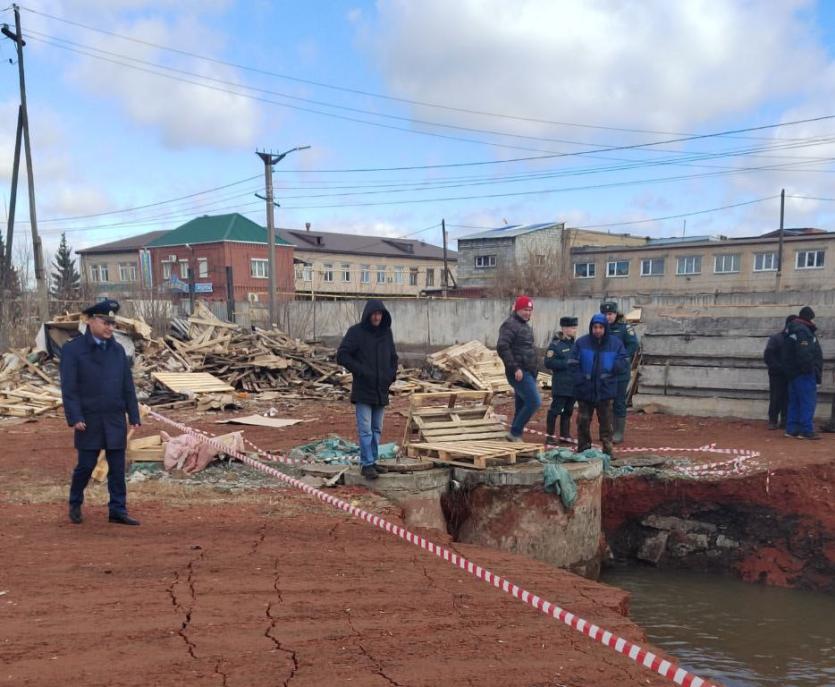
738	634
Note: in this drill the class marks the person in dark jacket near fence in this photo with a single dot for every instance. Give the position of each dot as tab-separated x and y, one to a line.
620	328
97	390
778	385
518	353
598	359
367	351
562	380
803	365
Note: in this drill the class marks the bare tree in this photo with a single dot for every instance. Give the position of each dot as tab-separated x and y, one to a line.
535	274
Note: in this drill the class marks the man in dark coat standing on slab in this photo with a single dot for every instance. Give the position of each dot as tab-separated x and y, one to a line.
367	351
803	365
97	390
778	385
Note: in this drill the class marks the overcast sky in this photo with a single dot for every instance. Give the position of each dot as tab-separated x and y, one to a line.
141	103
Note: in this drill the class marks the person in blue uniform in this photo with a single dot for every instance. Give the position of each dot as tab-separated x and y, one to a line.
620	329
562	381
97	389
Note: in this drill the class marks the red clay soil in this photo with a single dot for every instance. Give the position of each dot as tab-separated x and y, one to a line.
268	588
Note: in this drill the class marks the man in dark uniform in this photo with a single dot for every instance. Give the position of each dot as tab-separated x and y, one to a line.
778	385
620	329
562	380
97	388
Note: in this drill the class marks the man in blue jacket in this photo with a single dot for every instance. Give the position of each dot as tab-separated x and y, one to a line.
562	381
367	351
803	366
598	360
97	389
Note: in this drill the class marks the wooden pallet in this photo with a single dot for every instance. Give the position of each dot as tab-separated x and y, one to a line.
194	382
473	454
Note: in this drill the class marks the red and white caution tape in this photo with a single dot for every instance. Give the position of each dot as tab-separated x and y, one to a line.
634	651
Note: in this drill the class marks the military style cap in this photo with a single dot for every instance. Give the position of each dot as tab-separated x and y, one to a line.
568	321
608	306
105	309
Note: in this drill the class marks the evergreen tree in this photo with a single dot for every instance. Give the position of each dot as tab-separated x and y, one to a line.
9	283
66	281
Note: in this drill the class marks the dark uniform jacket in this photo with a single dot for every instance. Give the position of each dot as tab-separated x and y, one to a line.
556	359
97	389
773	353
368	353
516	346
801	352
624	331
597	364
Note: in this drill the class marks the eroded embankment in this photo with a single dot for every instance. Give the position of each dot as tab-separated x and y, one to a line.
770	527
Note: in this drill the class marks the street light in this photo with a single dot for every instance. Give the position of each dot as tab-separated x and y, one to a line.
271	159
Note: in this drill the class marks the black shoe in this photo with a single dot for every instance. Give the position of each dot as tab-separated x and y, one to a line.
122	519
551	440
810	435
380	468
369	472
773	425
75	515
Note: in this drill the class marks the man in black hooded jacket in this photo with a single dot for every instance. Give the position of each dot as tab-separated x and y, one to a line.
367	351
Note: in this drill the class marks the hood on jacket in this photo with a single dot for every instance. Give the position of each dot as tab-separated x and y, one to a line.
600	319
799	322
372	306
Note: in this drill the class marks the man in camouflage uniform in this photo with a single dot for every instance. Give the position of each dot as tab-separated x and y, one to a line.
619	328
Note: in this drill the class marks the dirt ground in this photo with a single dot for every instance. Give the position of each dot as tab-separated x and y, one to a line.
269	587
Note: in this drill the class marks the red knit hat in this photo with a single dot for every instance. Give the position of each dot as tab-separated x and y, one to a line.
522	302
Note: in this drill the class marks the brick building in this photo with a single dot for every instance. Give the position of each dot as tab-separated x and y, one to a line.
118	268
223	250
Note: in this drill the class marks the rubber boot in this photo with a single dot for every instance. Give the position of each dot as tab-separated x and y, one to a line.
550	423
565	428
620	428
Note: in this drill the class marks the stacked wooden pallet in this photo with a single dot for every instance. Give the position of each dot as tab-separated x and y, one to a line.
28	385
459	428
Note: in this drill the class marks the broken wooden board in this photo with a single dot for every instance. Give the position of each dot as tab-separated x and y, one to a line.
191	382
259	421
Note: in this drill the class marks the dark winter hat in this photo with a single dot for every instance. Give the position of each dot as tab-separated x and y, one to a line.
806	313
608	306
568	321
105	309
790	318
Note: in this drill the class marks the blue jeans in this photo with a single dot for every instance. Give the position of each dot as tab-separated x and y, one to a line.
803	395
369	429
527	402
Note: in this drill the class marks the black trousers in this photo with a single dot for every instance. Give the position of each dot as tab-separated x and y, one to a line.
778	398
604	412
87	459
561	407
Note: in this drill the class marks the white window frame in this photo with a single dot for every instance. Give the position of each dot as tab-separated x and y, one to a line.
413	276
398	274
430	276
327	272
612	267
381	274
763	258
183	269
346	272
819	259
647	264
365	274
202	267
99	273
590	270
683	265
259	268
484	262
166	269
307	273
723	258
127	272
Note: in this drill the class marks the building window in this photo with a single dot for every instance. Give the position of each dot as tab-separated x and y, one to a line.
398	274
584	270
381	274
726	264
485	262
307	273
617	268
202	267
413	276
127	272
652	267
183	269
765	262
539	260
365	274
166	270
328	272
689	264
99	273
259	268
430	276
809	259
346	272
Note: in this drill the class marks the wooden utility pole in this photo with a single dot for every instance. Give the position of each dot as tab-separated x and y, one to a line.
269	160
445	278
780	247
23	122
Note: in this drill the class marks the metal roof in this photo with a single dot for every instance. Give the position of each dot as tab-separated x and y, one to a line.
124	245
511	231
214	229
357	244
